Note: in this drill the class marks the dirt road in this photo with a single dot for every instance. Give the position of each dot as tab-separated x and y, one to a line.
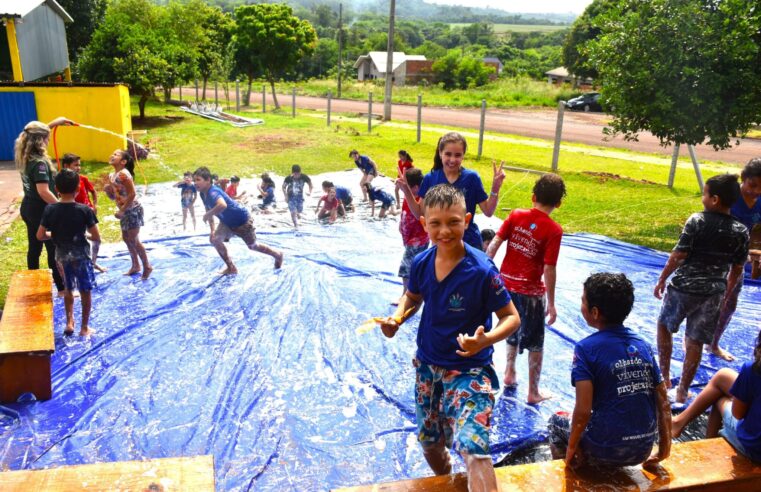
578	127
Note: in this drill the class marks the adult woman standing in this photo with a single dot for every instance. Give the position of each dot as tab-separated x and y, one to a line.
37	178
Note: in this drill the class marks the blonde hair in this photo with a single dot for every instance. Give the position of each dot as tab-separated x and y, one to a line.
31	143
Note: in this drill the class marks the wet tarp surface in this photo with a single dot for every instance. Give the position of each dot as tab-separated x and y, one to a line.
265	370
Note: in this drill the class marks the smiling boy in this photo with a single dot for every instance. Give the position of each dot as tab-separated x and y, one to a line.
461	289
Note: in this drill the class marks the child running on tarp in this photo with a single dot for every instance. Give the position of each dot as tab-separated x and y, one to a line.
66	223
331	206
387	201
533	244
293	189
84	195
414	237
708	260
455	378
367	166
746	209
234	220
621	403
735	401
188	195
267	192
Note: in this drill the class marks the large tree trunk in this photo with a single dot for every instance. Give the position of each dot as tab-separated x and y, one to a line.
274	94
248	91
141	105
205	78
167	94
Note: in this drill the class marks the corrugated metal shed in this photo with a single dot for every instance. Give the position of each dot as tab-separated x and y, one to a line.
18	110
21	8
41	38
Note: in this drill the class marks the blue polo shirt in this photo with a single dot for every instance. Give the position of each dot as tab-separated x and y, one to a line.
471	186
747	388
747	215
380	195
460	303
342	193
622	368
233	216
364	164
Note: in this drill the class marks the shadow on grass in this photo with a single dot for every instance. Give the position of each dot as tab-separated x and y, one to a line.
150	122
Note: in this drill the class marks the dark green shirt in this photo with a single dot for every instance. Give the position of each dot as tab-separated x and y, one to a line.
37	171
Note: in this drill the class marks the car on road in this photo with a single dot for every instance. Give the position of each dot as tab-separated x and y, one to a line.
585	102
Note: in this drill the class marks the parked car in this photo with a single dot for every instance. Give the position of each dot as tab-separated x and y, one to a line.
585	102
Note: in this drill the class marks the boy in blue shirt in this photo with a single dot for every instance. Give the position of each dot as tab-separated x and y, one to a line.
234	220
461	288
621	402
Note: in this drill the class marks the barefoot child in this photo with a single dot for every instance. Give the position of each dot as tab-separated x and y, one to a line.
621	404
735	401
708	260
414	237
387	201
461	289
533	243
188	195
66	223
293	189
234	220
267	192
232	189
405	162
121	188
84	195
331	206
367	166
746	209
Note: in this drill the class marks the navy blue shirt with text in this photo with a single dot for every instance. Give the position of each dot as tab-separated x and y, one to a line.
233	216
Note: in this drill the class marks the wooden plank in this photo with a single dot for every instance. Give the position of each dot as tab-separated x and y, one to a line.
194	473
25	373
27	323
705	465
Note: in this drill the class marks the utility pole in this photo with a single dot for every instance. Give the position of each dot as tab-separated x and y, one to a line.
389	63
340	45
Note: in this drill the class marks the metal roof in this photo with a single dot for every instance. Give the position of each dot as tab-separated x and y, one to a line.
21	8
379	59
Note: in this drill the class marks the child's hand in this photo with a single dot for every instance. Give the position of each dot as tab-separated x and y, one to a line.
472	344
499	174
660	287
119	214
389	327
551	314
572	458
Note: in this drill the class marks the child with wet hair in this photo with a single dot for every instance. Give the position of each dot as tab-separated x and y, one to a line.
621	404
188	195
267	192
86	196
455	377
735	401
387	201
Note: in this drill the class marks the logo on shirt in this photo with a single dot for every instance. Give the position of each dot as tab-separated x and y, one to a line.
532	226
632	351
497	283
455	302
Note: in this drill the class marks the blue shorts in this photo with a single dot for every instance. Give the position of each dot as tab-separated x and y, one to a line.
296	203
78	275
132	218
186	203
410	252
702	313
454	406
530	335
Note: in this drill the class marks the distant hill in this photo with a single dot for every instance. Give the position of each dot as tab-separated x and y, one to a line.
415	9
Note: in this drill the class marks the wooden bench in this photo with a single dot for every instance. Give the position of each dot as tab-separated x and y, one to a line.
26	336
705	465
194	473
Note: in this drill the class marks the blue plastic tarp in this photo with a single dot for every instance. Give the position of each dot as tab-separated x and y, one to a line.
265	370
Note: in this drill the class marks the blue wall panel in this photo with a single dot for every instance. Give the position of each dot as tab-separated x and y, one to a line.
16	110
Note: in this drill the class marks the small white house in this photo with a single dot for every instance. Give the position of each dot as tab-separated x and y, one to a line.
404	67
560	75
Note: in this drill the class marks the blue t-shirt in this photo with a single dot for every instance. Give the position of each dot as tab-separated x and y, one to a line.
470	184
460	303
381	196
622	368
233	216
268	198
187	192
747	388
749	216
342	193
363	163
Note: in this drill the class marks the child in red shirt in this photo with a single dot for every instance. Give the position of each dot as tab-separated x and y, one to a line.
532	252
404	163
86	190
414	237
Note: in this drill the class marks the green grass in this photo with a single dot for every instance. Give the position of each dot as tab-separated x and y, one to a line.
506	28
648	214
502	93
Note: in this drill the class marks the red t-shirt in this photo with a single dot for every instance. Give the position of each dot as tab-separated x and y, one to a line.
403	166
328	203
232	190
82	195
412	231
533	240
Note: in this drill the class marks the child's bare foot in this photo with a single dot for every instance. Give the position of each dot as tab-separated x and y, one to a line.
228	271
86	332
99	268
69	331
682	395
720	352
131	271
510	380
146	272
538	398
279	261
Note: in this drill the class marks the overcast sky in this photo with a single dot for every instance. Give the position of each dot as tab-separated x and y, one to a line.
534	6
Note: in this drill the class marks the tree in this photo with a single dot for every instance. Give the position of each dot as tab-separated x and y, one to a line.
217	29
584	29
685	70
457	71
268	38
87	14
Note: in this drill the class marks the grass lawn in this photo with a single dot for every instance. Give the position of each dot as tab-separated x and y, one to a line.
502	93
617	197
